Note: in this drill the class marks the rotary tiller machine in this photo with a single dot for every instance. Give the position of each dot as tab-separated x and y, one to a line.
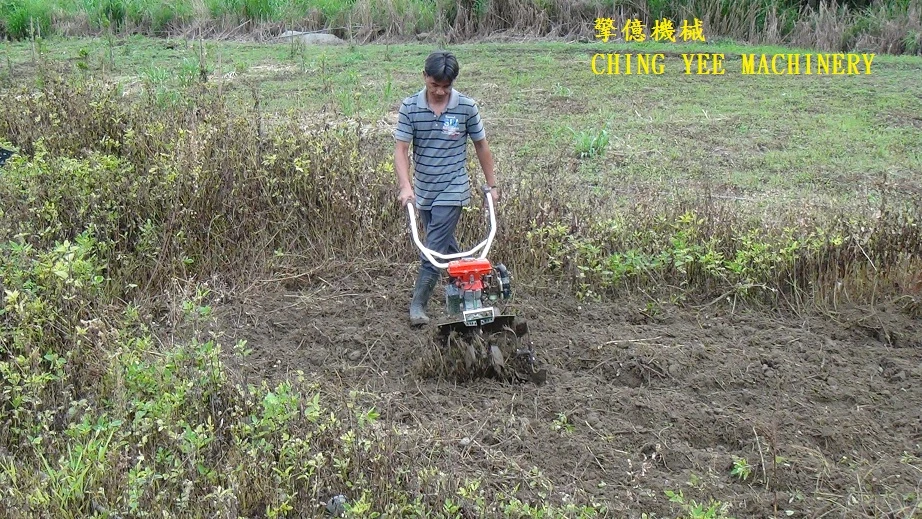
491	340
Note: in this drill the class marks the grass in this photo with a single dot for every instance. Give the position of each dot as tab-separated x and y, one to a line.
762	141
760	127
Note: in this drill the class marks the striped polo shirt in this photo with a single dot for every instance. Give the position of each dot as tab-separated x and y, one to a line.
440	147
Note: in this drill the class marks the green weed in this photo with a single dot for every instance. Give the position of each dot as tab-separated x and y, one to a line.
562	424
590	143
694	510
741	468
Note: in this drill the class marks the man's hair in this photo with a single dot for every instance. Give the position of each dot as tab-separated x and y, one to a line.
442	66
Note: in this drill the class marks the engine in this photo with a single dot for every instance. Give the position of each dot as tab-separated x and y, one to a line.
474	287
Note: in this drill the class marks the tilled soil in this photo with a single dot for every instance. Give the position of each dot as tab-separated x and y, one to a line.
640	399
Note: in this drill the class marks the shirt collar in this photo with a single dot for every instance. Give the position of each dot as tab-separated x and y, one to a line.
453	99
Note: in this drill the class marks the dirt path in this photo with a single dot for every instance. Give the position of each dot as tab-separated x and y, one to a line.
828	415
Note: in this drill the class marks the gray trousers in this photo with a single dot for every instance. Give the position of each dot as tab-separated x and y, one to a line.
439	223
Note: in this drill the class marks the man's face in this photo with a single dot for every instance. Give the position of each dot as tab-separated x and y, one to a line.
438	90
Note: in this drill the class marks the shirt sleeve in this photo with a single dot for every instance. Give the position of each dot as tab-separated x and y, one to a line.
475	125
404	130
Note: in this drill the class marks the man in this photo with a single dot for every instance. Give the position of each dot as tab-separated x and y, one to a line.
438	120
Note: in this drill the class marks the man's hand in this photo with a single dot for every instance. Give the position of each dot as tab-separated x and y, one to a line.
406	196
494	192
402	166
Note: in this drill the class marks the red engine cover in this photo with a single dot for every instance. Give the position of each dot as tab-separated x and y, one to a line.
465	268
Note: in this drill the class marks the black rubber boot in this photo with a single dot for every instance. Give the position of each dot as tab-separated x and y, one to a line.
425	284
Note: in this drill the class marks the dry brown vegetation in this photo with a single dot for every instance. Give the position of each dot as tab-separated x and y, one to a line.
882	27
178	189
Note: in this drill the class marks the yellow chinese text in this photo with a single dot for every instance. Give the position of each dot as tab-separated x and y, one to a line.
692	32
604	27
663	30
633	31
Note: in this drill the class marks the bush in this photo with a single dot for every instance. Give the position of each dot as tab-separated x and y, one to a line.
25	19
189	188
